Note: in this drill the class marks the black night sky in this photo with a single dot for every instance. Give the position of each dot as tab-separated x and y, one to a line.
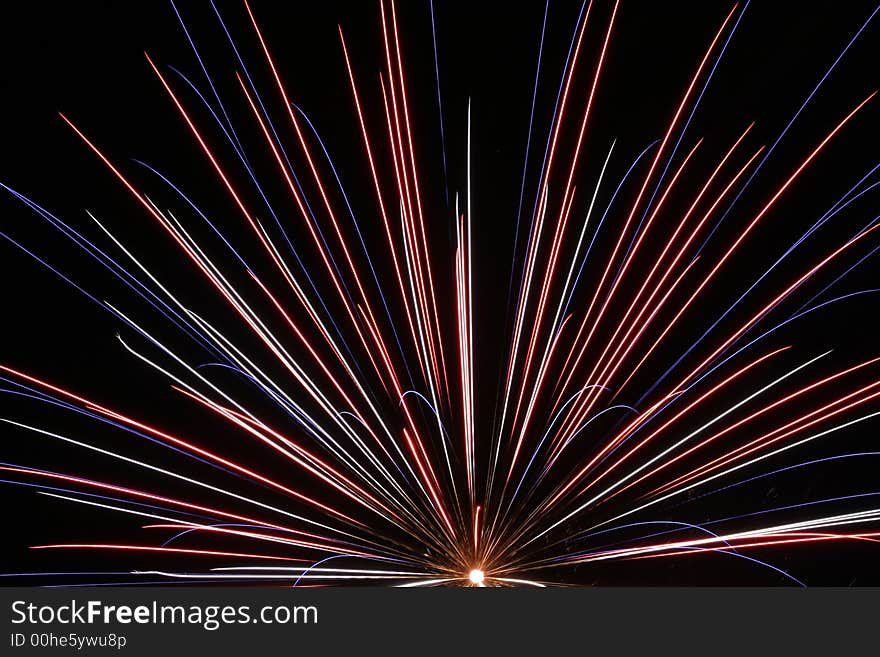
87	61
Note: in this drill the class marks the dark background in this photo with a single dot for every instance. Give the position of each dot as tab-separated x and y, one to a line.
86	59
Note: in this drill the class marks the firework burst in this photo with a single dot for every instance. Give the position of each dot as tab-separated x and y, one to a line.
332	355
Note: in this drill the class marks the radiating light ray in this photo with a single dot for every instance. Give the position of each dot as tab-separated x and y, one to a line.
672	124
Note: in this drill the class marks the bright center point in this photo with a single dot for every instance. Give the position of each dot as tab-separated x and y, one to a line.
476	576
